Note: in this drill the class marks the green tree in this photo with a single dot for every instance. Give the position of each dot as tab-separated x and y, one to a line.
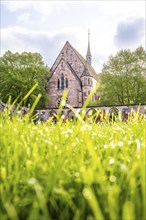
19	72
123	78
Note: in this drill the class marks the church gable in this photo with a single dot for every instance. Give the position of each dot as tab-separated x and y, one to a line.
68	53
64	77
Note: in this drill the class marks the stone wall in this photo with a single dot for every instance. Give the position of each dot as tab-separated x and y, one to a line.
67	113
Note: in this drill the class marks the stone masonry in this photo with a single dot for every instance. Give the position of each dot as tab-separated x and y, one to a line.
71	71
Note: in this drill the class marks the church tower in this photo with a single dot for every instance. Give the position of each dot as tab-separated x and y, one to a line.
88	55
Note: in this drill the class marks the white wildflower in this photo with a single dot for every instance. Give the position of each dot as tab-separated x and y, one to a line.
120	143
69	130
87	193
112	178
77	174
105	146
138	144
112	144
111	161
32	181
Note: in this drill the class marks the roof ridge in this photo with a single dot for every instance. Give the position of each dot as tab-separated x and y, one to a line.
73	71
58	55
52	72
82	59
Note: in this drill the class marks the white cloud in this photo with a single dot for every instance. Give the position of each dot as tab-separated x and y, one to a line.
45	8
45	26
49	44
25	17
16	5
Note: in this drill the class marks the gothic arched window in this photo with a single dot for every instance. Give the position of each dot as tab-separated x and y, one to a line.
62	81
58	84
66	82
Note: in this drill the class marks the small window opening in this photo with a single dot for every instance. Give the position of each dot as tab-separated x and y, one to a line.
62	81
58	84
85	81
66	82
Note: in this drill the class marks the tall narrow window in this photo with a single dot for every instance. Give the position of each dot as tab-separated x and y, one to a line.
71	56
66	82
62	81
85	81
62	64
58	84
88	81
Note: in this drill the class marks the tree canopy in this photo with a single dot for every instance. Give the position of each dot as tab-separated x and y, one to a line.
19	73
123	78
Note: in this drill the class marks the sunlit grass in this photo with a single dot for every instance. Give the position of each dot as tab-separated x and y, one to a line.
73	170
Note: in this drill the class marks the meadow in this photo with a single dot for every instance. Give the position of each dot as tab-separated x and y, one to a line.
78	170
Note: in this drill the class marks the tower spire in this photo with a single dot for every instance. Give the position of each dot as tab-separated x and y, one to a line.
88	55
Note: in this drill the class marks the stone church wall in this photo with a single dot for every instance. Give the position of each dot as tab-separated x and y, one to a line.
73	87
70	66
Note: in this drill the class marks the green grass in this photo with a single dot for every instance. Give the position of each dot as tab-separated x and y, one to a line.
74	170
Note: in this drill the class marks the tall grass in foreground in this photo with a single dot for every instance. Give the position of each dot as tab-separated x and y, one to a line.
73	170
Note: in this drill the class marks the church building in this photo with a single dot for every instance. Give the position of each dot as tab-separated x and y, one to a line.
70	70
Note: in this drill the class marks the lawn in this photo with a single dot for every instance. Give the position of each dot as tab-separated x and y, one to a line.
74	170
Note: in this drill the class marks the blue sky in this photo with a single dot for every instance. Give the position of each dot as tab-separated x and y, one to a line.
45	26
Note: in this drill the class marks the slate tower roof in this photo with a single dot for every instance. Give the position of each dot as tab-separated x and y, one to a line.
88	55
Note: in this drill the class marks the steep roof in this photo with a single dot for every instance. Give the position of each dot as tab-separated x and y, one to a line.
72	70
85	72
88	49
91	70
86	64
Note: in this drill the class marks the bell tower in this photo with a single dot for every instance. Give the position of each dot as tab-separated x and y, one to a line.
88	55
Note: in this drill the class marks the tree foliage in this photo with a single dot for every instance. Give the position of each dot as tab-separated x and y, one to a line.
19	72
123	78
